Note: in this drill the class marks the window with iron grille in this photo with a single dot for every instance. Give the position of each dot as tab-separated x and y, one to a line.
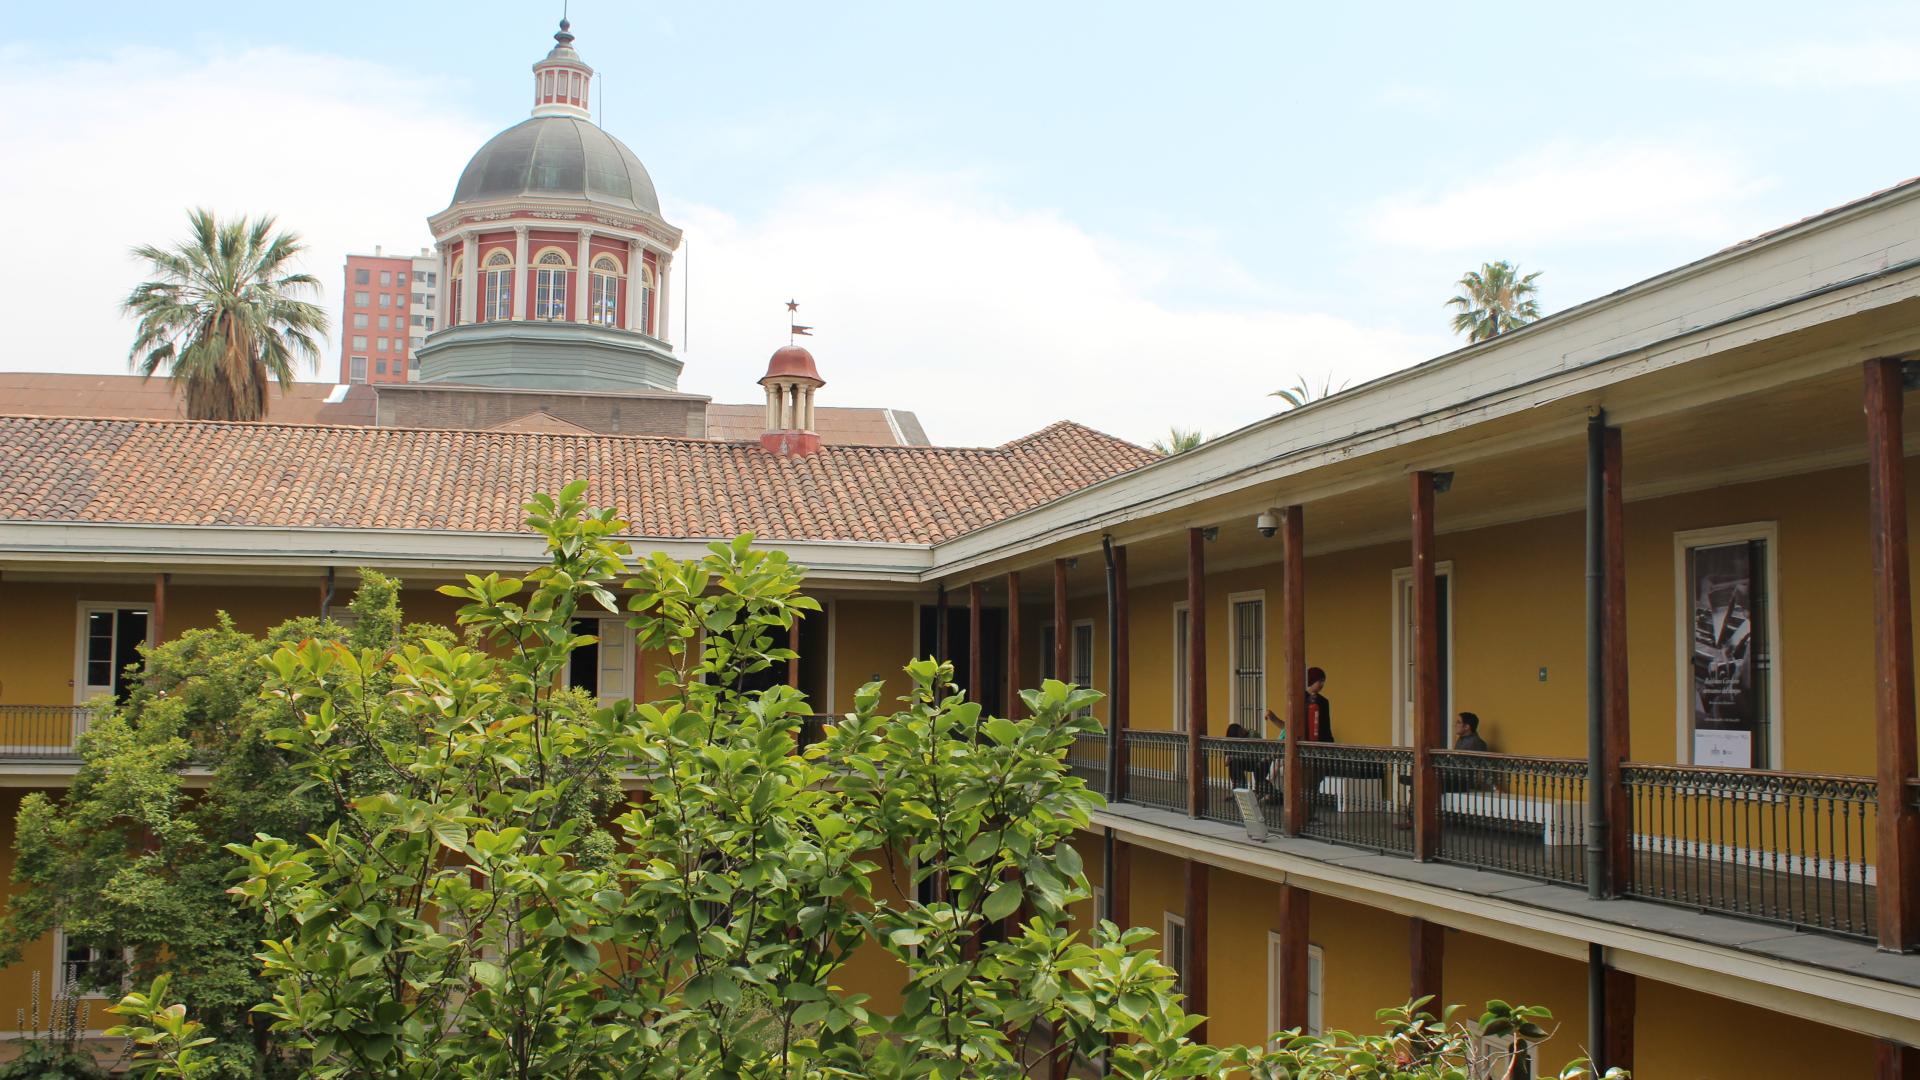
1249	664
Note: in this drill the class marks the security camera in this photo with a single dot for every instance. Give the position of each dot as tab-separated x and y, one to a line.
1267	523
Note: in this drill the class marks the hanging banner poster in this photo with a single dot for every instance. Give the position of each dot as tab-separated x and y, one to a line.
1725	704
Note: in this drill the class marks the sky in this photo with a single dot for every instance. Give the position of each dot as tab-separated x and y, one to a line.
996	215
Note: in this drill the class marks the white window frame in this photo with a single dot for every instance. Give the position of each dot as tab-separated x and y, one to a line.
1174	958
1493	1055
606	282
357	369
1316	977
552	280
496	287
1402	718
1099	896
1073	657
614	629
1234	600
83	609
1769	531
59	985
1182	641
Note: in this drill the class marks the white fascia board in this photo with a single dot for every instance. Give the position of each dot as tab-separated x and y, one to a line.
1521	370
235	546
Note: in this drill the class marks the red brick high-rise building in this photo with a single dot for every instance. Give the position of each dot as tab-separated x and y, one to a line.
389	304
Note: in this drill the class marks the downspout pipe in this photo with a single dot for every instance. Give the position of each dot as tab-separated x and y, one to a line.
1113	735
1596	823
326	595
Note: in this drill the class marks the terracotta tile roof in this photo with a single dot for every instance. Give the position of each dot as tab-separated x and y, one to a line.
66	393
837	424
275	474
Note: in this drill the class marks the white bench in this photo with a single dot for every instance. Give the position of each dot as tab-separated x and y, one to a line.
1560	823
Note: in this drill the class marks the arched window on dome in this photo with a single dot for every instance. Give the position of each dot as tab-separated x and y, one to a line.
646	299
456	287
603	307
550	271
499	293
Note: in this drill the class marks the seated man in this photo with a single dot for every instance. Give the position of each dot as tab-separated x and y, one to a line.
1466	733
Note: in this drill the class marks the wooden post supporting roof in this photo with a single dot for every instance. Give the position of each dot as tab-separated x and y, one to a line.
1194	965
1295	919
1120	707
1427	731
1622	990
939	642
793	662
976	681
1015	708
1293	658
157	625
1427	952
1898	891
1618	731
1895	1061
1196	666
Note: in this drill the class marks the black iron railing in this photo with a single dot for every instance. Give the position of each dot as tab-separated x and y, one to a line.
1521	815
1087	759
1359	795
1157	769
1793	848
1240	763
42	731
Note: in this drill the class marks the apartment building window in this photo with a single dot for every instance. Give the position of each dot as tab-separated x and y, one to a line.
386	300
605	297
499	294
379	367
550	285
414	363
359	341
386	277
419	320
383	345
400	278
1728	711
429	324
1180	632
360	321
361	299
429	303
358	370
1173	937
360	277
399	299
1249	661
419	298
384	321
430	277
1315	968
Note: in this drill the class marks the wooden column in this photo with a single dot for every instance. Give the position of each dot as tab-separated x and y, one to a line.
1895	1061
1195	962
1121	704
940	625
793	662
1015	707
1618	732
1196	665
1293	653
1899	832
157	623
1622	988
1061	631
1427	950
1427	731
1295	912
975	668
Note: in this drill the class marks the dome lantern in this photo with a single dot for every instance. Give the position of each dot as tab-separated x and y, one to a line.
561	82
790	380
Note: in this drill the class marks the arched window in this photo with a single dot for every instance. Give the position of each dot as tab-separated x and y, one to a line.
499	292
550	284
646	299
604	298
456	286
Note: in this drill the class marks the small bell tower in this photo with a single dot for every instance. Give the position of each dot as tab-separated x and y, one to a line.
562	81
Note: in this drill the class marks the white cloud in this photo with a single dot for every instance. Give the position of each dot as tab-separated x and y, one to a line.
1611	192
1878	64
991	321
348	154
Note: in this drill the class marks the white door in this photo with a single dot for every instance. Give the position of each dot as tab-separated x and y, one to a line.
110	637
1403	681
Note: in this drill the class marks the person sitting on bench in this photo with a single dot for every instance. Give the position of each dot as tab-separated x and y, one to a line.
1244	768
1466	733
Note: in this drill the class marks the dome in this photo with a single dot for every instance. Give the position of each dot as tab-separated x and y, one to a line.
558	157
792	362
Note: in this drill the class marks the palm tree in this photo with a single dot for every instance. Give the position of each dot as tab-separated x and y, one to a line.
221	316
1303	391
1494	299
1179	440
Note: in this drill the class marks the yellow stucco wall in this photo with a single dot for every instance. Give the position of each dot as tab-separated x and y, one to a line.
872	638
1681	1034
1364	962
1479	969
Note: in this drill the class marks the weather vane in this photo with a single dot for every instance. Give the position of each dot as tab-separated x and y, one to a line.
794	329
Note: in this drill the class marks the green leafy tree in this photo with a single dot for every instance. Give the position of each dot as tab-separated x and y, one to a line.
1179	440
132	860
1494	299
223	316
1303	391
466	915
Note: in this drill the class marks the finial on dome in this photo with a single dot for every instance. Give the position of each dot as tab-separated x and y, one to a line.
564	37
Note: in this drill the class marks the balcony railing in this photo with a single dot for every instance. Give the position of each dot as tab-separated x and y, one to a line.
1520	815
1359	795
1240	763
42	732
1087	759
1157	769
1792	848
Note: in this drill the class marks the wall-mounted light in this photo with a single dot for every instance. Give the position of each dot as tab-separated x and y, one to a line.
1442	481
